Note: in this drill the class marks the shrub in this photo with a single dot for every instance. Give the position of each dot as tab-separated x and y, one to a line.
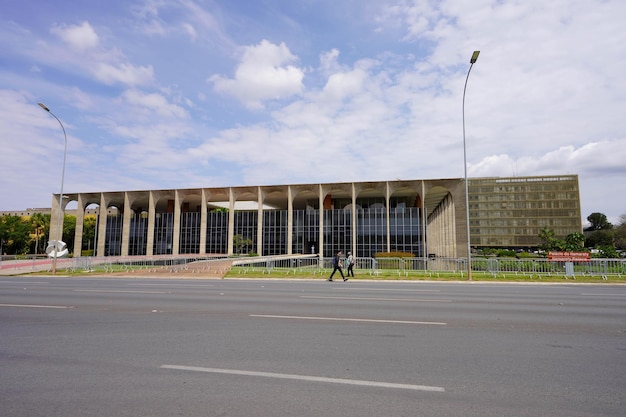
506	253
393	255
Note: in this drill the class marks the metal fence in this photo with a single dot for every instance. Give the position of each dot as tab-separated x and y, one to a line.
133	263
314	265
406	266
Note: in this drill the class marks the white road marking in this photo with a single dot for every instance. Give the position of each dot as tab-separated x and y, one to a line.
172	285
32	306
348	319
388	289
306	378
602	295
424	300
127	291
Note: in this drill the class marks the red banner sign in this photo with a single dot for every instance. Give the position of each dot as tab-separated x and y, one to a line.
569	256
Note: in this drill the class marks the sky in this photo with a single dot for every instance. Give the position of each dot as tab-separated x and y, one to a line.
174	94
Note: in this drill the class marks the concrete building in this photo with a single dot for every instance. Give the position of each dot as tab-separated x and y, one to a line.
423	217
509	212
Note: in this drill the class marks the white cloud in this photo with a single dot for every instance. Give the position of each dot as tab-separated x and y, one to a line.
263	74
328	60
124	73
155	103
341	85
170	19
80	37
597	159
190	30
545	97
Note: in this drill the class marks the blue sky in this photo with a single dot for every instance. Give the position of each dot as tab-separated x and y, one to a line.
200	93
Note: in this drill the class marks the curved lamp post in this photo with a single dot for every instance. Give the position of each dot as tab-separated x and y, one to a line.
469	253
59	228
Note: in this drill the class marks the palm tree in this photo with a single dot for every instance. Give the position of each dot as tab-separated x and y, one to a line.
39	226
547	238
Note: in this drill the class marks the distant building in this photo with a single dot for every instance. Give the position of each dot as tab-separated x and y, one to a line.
422	217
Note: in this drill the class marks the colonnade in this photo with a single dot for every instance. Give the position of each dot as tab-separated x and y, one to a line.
444	221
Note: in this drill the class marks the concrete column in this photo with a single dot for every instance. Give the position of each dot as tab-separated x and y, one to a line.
176	232
443	229
433	232
423	220
353	228
259	222
460	204
446	226
80	224
320	249
54	218
203	221
387	199
289	221
126	225
151	221
102	225
450	249
231	220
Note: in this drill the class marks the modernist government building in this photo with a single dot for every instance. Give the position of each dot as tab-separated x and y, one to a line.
423	217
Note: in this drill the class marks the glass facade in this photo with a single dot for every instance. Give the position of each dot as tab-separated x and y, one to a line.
406	231
189	233
372	230
113	244
275	232
337	231
217	232
163	234
246	227
305	231
138	234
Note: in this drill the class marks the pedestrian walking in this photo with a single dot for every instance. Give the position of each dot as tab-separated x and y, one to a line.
337	267
350	261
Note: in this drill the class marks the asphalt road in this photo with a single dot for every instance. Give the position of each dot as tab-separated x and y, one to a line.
159	347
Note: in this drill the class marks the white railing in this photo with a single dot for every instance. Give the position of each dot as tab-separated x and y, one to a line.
312	264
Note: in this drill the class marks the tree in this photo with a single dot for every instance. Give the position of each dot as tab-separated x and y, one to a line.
40	228
89	232
598	222
239	243
608	251
599	238
620	233
574	242
548	241
14	235
69	230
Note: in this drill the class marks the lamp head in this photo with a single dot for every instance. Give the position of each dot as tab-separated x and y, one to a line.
474	57
43	106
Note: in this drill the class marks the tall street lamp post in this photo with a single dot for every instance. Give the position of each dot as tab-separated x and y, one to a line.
467	221
59	228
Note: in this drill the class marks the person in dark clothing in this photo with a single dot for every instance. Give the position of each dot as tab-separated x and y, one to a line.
337	267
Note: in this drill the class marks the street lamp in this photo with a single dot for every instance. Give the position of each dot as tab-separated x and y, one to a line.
59	228
469	253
